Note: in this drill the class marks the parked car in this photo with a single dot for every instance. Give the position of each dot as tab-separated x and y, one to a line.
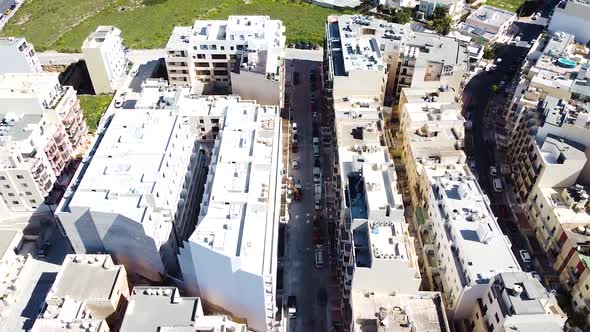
295	138
294	127
493	171
295	164
502	84
134	72
7	12
497	183
525	256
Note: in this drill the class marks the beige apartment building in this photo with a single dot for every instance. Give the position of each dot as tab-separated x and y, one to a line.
106	58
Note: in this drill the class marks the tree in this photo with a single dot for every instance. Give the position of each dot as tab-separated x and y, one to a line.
489	52
440	12
442	25
402	16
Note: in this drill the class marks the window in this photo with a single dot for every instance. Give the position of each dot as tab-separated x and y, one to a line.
15	202
2	178
28	193
20	177
497	318
32	201
7	186
10	194
24	185
222	48
204	47
587	288
200	56
490	297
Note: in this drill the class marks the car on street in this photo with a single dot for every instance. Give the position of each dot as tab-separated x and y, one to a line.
317	206
120	100
134	72
7	12
292	306
319	257
294	148
502	84
295	164
295	139
525	256
497	183
493	171
294	128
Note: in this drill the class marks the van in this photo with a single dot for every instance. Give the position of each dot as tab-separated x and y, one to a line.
319	257
497	185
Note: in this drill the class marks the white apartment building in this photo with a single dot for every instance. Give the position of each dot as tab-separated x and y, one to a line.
469	245
361	49
398	3
18	56
571	16
242	52
387	312
230	260
90	292
372	236
455	7
43	90
106	58
162	309
488	24
135	196
515	301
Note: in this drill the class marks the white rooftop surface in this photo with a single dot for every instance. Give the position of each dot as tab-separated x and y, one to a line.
373	152
362	51
491	15
98	37
443	112
379	190
474	230
15	85
239	207
389	240
421	309
564	213
127	162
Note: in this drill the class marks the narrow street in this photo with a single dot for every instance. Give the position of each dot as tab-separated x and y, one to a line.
302	278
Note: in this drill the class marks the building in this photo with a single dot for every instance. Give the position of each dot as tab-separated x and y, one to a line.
42	128
361	49
242	54
572	265
162	309
454	7
419	312
470	248
516	301
18	56
432	133
230	260
106	58
371	232
43	90
339	4
571	16
90	291
135	196
488	24
387	57
398	3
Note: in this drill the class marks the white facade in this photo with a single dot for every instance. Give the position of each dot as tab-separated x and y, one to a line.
469	245
571	16
35	145
455	7
212	53
230	260
135	196
18	56
398	3
106	58
516	301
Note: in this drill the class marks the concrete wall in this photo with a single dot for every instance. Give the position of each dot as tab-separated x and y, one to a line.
360	84
255	86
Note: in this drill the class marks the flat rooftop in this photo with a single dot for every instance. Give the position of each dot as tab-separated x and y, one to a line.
159	309
15	85
489	15
558	151
102	32
86	277
356	42
241	195
423	311
483	249
563	210
426	47
126	164
532	297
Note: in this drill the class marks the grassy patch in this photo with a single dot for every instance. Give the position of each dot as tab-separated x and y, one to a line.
93	107
64	24
511	5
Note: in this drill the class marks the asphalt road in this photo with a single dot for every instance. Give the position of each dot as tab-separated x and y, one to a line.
301	277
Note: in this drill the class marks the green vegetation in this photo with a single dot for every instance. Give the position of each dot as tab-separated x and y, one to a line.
511	5
93	107
63	25
489	52
441	20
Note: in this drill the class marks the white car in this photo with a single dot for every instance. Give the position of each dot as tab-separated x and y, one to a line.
317	206
294	127
493	171
525	256
295	164
497	183
120	100
502	84
134	72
